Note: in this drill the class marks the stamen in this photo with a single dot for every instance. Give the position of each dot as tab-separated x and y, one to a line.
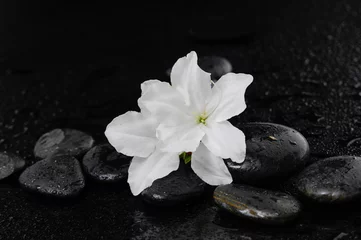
202	119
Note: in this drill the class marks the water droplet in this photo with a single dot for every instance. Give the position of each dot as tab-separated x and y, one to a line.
292	142
272	138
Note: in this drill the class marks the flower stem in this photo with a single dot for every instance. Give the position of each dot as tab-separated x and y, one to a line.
186	156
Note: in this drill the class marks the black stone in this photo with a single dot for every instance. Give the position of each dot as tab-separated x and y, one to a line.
331	180
9	164
105	164
217	66
266	206
273	152
175	188
59	176
63	142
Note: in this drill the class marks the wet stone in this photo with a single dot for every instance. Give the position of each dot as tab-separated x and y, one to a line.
274	152
58	176
9	164
105	164
266	206
63	142
331	180
178	187
217	66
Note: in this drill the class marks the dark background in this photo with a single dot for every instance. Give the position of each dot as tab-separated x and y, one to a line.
81	65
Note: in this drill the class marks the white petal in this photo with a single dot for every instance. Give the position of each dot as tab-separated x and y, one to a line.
228	96
192	82
144	171
184	137
161	100
209	167
132	134
225	141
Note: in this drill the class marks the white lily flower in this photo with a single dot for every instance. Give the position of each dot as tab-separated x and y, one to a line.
194	118
187	116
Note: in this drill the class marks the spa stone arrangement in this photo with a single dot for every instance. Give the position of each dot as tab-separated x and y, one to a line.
274	152
273	185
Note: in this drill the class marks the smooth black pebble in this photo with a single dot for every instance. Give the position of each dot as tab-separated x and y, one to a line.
63	142
273	152
266	206
217	66
59	176
177	187
331	180
105	164
9	164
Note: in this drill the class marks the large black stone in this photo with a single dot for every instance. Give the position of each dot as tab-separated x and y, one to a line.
105	164
63	142
9	164
273	152
59	176
217	66
271	207
177	187
331	180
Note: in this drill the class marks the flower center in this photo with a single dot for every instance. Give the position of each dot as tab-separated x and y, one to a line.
202	119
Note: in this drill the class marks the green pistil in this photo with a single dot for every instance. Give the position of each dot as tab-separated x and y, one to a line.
202	119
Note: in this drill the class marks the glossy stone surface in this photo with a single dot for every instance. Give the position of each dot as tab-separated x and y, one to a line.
59	176
217	66
273	152
271	207
63	142
179	186
104	163
331	180
9	164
